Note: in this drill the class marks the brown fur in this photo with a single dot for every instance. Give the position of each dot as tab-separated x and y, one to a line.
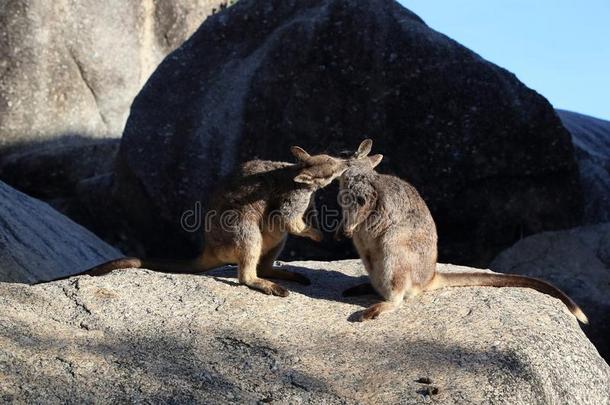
395	235
255	210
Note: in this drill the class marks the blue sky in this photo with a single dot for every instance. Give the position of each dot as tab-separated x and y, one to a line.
560	48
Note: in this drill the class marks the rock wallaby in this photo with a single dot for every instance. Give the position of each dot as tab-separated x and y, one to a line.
253	212
395	235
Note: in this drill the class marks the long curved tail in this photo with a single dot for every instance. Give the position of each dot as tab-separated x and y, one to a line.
164	266
442	280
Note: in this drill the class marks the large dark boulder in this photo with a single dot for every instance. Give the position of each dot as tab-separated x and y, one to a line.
488	154
591	139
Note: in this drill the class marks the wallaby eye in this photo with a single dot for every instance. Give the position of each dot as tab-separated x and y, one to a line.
360	200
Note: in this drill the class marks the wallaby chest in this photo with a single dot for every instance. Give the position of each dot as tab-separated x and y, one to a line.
369	250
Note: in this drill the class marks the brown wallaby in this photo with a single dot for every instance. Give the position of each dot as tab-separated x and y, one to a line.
254	211
395	236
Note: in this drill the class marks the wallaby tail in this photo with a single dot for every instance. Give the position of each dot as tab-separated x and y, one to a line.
104	268
442	280
164	266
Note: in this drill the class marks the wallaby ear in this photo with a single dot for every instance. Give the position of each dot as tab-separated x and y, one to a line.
304	178
364	149
375	160
300	153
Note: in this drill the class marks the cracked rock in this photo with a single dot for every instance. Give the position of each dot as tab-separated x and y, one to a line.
157	338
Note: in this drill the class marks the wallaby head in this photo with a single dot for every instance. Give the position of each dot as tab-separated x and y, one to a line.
320	170
357	195
358	199
317	171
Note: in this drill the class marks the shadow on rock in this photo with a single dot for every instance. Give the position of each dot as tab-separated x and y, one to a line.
325	284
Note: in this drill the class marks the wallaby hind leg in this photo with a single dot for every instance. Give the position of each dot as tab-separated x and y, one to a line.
393	292
248	256
266	269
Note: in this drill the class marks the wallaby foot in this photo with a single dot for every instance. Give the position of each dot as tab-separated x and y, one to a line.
283	275
249	256
360	289
374	311
265	267
267	287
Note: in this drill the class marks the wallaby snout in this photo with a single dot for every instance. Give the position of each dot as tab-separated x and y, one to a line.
348	232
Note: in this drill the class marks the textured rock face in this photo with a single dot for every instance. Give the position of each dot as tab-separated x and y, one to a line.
577	261
37	243
74	177
148	337
71	68
488	154
53	173
591	139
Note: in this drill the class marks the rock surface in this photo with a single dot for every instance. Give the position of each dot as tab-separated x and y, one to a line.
75	178
489	155
591	139
73	68
577	261
53	172
139	336
37	243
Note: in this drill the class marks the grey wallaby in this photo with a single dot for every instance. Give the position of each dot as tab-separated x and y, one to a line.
256	209
395	235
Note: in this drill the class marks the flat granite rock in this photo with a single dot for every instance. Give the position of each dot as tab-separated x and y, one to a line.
140	336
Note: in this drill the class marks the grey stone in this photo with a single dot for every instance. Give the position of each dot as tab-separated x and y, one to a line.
38	243
577	261
591	139
53	172
140	336
73	68
75	178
